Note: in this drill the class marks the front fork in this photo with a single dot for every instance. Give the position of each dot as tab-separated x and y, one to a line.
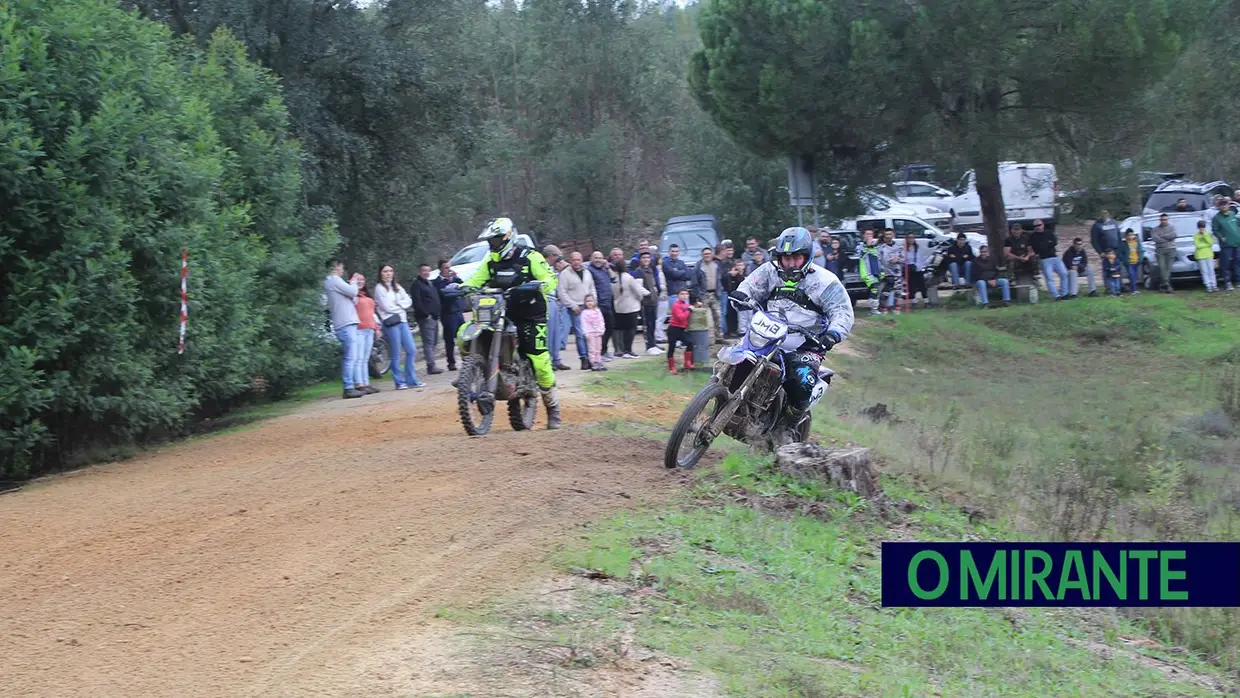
716	425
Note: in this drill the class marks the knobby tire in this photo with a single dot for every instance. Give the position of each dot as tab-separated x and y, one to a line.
712	393
469	378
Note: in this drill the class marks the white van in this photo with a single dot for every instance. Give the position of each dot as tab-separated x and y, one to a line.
1030	190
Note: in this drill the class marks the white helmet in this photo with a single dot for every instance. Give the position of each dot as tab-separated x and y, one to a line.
502	236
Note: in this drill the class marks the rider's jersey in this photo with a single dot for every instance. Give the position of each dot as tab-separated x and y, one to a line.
527	265
819	302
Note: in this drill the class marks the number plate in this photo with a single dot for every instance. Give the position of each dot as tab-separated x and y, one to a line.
485	302
765	326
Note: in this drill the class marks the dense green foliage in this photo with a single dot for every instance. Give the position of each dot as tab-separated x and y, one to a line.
119	148
848	81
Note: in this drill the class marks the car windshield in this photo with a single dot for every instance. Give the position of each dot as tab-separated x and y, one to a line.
1166	200
873	201
691	243
469	255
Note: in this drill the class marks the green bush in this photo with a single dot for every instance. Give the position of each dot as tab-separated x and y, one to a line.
118	148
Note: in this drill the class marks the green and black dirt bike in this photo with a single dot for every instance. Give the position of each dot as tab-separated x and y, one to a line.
492	370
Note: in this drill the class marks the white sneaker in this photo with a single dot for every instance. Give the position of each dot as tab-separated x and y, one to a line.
628	356
609	357
653	351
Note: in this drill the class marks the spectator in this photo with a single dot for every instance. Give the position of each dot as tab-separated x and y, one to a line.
366	327
1130	255
1077	263
822	243
656	291
892	257
678	328
595	326
958	260
603	280
628	293
575	284
1019	255
1164	250
643	245
392	303
870	266
751	246
342	305
660	331
732	281
1046	246
453	311
616	255
676	271
426	311
1227	231
915	262
986	268
565	322
834	259
1104	235
1182	205
757	259
557	323
726	253
1112	271
1203	252
708	280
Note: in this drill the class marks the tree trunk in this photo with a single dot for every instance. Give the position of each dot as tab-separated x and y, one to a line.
990	195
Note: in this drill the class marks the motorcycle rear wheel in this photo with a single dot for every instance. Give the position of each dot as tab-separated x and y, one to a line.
470	382
697	415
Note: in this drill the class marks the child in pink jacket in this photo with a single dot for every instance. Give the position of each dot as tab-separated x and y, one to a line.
593	324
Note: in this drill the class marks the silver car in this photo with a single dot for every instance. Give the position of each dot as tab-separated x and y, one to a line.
1185	266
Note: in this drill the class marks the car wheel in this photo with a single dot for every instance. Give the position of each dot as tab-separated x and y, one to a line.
1147	280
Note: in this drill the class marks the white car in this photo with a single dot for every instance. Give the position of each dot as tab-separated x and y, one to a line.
1030	192
469	258
927	233
879	205
923	194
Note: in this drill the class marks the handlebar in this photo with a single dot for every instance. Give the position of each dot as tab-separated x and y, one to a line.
464	291
751	304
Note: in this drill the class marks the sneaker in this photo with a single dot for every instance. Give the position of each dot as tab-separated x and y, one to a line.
351	393
1230	287
368	389
1135	293
562	367
600	367
452	367
629	355
1093	294
417	384
434	371
401	386
609	357
653	351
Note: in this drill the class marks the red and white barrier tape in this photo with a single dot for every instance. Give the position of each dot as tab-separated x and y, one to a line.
184	298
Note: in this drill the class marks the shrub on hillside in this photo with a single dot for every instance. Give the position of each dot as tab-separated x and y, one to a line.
119	147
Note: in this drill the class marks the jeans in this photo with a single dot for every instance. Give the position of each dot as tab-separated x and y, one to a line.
361	375
451	325
1206	266
983	291
428	328
553	330
351	346
582	348
711	301
1166	258
954	268
660	332
1055	266
609	324
1113	285
1229	264
1134	276
1074	280
400	340
650	315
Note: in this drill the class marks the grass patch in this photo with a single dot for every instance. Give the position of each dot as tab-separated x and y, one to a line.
248	416
780	605
1094	418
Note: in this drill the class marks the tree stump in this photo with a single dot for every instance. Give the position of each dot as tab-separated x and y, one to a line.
846	468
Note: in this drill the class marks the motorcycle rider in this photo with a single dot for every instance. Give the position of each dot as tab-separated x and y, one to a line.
811	298
527	307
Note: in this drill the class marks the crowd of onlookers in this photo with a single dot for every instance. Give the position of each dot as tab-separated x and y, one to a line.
603	301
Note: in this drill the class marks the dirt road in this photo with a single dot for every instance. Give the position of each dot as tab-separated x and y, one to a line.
293	558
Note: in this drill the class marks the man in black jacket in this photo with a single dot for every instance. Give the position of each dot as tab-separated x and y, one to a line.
426	310
453	309
1046	246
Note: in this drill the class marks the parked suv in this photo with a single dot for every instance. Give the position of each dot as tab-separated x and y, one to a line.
1184	268
1198	195
692	234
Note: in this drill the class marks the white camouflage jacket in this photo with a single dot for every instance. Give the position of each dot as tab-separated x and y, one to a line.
818	303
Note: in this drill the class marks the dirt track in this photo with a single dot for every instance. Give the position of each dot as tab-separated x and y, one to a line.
296	557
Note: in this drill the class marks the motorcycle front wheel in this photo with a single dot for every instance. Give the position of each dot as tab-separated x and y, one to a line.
471	382
701	410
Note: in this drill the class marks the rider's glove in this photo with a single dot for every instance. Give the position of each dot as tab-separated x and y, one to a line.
740	296
829	339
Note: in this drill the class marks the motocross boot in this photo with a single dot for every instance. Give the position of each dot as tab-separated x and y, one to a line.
551	400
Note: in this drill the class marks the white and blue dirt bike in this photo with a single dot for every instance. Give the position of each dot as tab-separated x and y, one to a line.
492	370
745	397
